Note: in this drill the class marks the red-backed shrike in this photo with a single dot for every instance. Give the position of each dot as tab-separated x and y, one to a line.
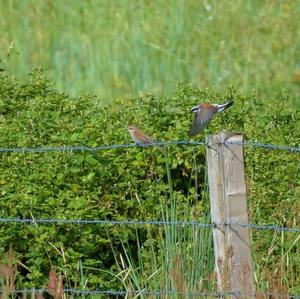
138	136
204	114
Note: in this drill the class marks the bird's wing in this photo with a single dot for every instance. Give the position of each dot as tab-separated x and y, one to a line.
202	119
146	139
143	138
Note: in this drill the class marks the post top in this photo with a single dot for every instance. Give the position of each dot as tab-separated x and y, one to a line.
224	136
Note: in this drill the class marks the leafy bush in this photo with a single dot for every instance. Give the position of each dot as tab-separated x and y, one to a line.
131	183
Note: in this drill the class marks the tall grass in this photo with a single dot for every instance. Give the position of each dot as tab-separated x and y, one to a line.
114	48
179	260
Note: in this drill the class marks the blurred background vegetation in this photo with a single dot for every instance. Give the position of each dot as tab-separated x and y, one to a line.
121	47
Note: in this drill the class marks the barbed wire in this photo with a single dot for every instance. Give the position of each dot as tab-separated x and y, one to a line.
159	293
270	227
266	146
96	148
105	222
120	146
148	222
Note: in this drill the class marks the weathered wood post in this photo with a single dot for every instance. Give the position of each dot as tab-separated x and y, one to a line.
228	200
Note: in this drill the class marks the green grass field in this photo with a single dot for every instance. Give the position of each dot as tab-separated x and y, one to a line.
116	48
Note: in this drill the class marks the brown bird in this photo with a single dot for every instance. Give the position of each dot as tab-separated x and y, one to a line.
204	114
139	137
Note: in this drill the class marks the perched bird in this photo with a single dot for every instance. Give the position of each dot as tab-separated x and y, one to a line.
139	137
204	114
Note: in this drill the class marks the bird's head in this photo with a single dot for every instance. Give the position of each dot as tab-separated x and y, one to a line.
195	109
131	129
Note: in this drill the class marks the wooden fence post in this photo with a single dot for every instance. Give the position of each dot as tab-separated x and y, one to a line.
228	200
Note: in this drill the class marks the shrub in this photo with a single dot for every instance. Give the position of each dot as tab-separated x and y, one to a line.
129	183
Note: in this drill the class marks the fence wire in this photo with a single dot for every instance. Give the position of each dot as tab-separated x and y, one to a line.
266	146
44	149
160	293
94	149
148	222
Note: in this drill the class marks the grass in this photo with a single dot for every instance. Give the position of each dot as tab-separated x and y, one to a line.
115	48
181	259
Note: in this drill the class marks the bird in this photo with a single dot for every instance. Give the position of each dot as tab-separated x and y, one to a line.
204	114
139	137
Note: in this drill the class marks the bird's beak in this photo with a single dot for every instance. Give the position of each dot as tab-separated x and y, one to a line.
194	109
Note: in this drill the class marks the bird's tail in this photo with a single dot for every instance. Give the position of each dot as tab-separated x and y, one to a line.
222	107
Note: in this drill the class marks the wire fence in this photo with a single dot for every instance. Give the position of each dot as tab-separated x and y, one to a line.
67	148
161	293
143	223
149	222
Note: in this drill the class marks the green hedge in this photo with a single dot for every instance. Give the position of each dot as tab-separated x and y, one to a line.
124	184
